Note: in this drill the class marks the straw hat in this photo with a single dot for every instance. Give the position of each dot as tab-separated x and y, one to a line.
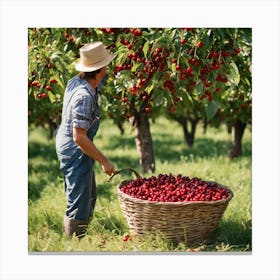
93	57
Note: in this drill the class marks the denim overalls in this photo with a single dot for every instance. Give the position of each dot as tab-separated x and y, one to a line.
80	109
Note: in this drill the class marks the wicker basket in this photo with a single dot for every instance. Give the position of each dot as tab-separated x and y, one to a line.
189	222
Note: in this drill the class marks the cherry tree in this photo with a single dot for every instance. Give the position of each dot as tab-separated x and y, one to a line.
185	71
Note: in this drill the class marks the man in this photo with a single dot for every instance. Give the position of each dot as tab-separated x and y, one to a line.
74	140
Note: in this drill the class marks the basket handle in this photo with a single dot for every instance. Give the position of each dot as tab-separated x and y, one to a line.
125	169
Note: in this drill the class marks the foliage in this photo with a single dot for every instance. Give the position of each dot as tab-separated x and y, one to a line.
155	69
51	54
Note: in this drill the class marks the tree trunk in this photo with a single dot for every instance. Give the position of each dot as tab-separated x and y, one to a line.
51	129
237	133
229	128
144	143
205	124
120	126
189	134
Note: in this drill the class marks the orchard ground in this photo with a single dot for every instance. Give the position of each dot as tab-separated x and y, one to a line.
108	230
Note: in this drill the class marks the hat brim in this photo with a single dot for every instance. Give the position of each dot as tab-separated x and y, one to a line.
90	68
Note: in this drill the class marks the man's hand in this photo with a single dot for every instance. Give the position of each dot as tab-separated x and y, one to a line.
108	168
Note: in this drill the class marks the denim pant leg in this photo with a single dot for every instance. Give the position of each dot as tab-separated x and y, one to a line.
93	195
80	186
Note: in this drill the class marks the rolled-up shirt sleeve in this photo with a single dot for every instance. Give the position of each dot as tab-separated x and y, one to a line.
82	111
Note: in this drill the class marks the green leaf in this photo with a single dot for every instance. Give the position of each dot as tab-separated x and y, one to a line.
150	88
234	73
146	48
173	33
51	97
55	55
134	67
247	82
199	87
158	98
212	76
184	60
195	94
168	97
173	67
121	55
187	100
211	110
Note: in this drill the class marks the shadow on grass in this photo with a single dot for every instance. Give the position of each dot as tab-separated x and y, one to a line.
172	149
125	162
167	149
42	166
46	151
35	188
121	142
110	224
105	191
234	233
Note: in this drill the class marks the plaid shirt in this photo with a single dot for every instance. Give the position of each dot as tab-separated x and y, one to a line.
80	106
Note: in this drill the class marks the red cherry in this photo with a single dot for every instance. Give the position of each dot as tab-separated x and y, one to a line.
53	81
133	90
124	99
169	188
225	54
183	41
35	83
126	238
138	32
213	55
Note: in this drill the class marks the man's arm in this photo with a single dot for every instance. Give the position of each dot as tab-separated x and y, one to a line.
88	147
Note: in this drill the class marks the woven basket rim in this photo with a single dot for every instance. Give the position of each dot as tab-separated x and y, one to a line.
178	203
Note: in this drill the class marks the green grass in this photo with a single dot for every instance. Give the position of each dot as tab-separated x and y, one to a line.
207	160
